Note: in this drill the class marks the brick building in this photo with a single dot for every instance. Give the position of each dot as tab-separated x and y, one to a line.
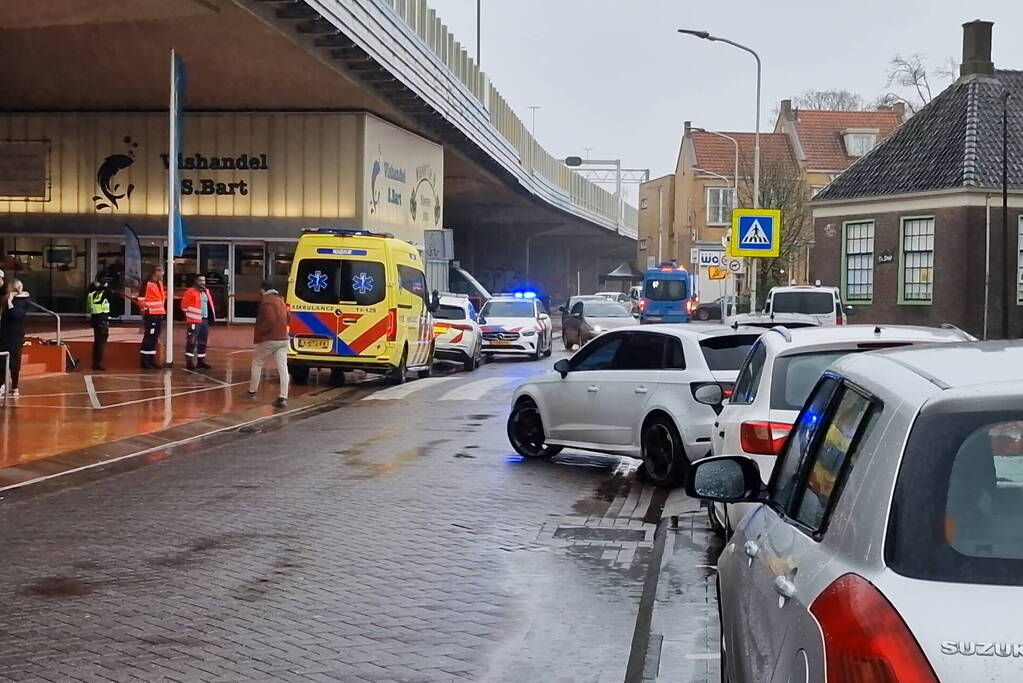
905	230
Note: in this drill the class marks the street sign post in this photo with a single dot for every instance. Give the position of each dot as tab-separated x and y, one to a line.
717	273
755	233
733	266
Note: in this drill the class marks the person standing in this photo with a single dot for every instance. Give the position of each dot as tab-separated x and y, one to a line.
98	301
13	309
153	304
197	305
270	337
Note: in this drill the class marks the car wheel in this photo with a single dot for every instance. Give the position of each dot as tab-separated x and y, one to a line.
664	459
539	350
299	373
397	374
525	432
470	364
703	314
337	377
550	348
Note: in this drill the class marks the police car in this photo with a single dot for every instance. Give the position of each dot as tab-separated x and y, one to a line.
516	324
456	331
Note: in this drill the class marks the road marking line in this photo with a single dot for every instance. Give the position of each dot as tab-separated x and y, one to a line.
403	390
207	377
165	396
91	389
474	391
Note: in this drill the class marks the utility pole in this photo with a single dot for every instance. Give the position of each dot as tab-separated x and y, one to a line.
1005	214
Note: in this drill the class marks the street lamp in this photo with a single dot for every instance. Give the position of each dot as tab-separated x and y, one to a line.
735	184
731	306
575	162
756	143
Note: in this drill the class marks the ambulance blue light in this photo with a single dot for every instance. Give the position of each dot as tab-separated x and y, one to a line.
525	295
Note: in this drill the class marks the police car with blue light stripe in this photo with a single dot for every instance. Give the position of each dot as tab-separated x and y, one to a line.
516	323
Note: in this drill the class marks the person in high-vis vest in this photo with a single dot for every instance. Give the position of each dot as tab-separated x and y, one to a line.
153	303
197	305
98	303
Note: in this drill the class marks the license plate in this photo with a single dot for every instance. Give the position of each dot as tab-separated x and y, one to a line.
314	344
502	342
653	317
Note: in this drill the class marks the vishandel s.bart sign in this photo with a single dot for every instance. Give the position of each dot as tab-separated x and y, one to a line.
211	186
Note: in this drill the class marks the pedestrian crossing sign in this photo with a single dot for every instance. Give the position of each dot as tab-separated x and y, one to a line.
756	233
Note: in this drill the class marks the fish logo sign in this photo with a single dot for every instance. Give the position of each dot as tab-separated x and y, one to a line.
105	178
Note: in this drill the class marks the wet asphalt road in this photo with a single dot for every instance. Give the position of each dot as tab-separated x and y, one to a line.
390	539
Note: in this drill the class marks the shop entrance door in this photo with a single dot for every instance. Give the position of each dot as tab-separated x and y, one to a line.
249	270
215	263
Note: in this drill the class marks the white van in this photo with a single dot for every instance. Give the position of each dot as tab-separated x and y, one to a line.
823	304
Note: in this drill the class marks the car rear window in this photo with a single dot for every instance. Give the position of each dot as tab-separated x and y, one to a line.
605	309
446	312
957	515
808	303
666	290
728	351
333	281
795	376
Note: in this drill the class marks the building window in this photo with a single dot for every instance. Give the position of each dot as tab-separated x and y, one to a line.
858	144
643	243
719	205
917	260
1019	262
859	261
643	203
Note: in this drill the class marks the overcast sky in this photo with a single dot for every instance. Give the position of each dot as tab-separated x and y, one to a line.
614	75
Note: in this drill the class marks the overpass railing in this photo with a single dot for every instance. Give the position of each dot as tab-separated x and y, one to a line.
584	194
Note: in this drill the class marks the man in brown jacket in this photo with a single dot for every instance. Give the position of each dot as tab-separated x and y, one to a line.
271	339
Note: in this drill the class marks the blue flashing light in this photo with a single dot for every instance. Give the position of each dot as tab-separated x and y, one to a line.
513	458
525	295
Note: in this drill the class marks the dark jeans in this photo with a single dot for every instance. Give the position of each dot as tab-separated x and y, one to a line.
196	337
13	347
100	333
152	326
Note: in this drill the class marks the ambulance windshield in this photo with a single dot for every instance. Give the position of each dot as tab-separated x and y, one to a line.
333	281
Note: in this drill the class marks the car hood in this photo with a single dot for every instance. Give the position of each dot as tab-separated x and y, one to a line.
509	324
610	323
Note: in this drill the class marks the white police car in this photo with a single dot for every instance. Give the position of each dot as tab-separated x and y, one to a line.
456	331
516	324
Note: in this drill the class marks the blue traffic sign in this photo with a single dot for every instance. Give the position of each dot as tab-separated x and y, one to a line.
755	232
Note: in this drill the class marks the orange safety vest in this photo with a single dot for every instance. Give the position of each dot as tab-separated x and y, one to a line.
154	302
191	304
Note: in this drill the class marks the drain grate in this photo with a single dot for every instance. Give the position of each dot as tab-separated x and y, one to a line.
589	533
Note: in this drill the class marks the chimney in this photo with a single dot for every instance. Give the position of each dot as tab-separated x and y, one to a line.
977	48
688	127
785	111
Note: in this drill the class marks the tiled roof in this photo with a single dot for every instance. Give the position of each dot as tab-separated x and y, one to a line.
714	153
820	134
954	141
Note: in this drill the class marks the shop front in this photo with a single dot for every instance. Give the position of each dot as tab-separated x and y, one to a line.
71	183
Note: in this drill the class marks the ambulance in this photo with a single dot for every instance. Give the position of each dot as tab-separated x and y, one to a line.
358	301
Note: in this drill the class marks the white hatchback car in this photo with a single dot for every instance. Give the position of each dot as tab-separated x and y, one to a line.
776	378
516	324
888	546
456	332
631	391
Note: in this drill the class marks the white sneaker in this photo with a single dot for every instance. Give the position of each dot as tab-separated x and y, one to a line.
15	393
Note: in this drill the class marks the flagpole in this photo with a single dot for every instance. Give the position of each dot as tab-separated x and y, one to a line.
173	187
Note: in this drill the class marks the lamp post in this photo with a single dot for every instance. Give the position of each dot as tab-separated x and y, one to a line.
730	311
756	141
575	162
732	305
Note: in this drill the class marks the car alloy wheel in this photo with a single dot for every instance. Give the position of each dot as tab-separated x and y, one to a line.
525	432
398	374
664	460
703	314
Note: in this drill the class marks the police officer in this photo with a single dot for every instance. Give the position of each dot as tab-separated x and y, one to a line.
98	302
153	303
197	305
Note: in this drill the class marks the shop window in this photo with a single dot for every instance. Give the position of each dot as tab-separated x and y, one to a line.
859	261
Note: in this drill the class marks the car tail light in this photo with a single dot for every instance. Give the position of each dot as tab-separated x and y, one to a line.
840	320
865	639
763	438
392	324
643	304
691	305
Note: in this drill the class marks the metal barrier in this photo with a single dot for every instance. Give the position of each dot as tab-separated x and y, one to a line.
44	309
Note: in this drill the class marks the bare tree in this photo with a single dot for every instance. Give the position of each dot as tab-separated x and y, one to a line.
913	79
829	100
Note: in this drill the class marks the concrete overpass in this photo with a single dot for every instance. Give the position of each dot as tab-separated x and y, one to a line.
504	194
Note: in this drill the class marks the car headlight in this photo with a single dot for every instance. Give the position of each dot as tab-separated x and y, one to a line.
597	328
528	333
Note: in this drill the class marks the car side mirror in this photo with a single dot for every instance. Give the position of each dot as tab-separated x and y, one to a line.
725	479
562	309
562	367
434	302
481	320
544	316
849	310
709	395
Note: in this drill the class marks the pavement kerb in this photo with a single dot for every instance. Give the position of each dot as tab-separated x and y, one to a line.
330	402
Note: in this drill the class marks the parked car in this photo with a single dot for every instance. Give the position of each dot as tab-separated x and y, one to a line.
516	324
617	297
824	304
456	332
589	318
631	391
714	310
775	380
889	543
572	301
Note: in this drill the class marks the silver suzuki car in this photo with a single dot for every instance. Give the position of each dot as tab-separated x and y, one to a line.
888	545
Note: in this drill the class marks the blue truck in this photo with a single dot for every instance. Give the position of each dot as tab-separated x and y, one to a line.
667	295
